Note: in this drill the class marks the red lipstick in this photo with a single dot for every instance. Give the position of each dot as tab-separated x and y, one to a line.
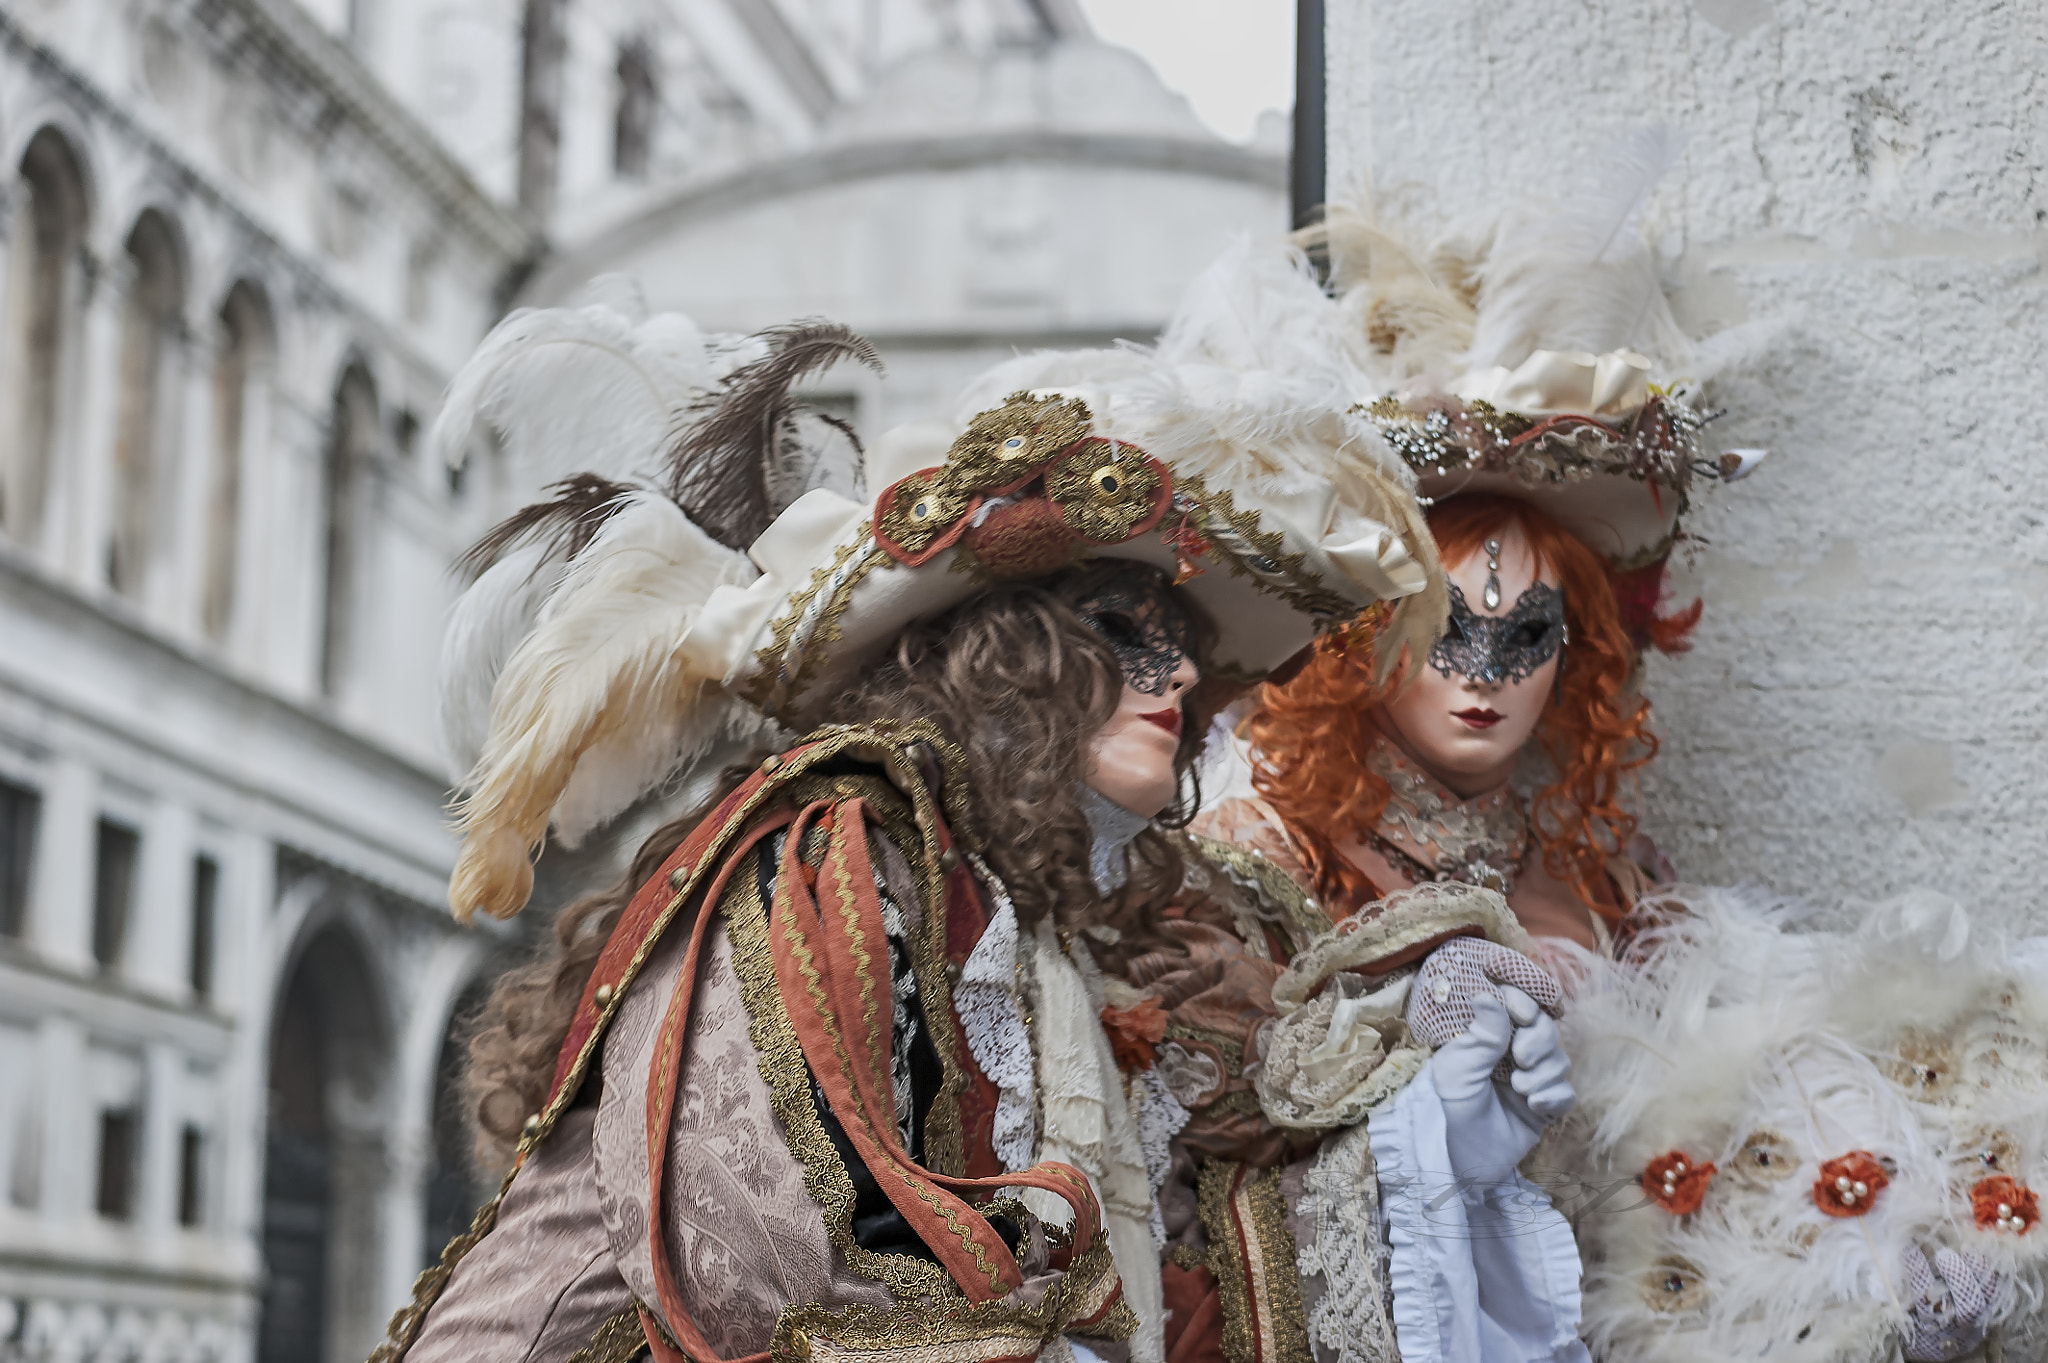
1168	720
1479	717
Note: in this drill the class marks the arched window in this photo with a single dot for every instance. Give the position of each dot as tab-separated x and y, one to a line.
351	445
326	1162
44	281
241	373
142	437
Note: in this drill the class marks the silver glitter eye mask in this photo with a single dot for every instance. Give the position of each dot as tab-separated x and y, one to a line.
1491	650
1146	627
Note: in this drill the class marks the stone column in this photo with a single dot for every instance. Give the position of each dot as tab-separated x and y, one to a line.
59	924
160	931
1864	708
84	450
156	1203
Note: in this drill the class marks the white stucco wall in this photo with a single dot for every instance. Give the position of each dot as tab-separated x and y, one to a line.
1867	706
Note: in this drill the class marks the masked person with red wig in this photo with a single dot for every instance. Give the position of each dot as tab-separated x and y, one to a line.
826	1075
1810	1140
1359	1088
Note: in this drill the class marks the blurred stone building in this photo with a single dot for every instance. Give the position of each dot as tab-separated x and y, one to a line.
243	243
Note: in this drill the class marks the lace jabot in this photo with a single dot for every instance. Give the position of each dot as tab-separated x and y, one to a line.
1427	826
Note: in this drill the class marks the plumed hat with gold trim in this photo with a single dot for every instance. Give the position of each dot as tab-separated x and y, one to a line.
1538	358
1223	456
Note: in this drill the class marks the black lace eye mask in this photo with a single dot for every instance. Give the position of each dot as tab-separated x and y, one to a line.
1495	649
1147	628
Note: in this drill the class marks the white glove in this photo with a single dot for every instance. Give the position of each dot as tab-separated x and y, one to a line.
1542	1078
1950	1314
1489	1128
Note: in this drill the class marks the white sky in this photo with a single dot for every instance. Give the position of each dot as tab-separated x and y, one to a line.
1232	58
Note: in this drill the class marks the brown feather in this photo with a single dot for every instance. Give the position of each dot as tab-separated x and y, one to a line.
566	522
718	467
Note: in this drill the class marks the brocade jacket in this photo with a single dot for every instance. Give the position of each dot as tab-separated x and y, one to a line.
768	1137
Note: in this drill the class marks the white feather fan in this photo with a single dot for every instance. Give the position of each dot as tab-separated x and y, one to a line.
594	706
1733	1038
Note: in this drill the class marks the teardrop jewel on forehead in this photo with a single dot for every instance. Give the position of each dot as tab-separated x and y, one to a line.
1491	596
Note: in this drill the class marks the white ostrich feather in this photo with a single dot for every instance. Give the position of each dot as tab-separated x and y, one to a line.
1575	274
1408	314
485	625
576	389
594	707
1250	387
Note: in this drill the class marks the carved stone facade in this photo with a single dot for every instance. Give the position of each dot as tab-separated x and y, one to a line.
243	244
237	276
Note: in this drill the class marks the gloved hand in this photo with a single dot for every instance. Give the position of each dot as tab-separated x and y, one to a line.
1488	1127
1950	1314
1542	1077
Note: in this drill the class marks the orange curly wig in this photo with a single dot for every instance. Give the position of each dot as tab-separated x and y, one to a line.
1311	736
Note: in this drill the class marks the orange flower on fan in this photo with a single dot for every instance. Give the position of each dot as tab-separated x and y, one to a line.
1848	1186
2002	1202
1133	1032
1677	1184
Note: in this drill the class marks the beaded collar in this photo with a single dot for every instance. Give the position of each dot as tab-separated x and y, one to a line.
1432	834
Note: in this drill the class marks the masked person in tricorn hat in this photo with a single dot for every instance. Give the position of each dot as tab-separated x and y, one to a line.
826	1073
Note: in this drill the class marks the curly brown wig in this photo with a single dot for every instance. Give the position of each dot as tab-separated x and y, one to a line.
1022	684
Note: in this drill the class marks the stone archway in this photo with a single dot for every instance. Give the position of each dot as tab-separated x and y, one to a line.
326	1159
456	1186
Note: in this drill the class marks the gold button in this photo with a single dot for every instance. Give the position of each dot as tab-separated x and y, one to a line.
1108	480
800	1343
603	995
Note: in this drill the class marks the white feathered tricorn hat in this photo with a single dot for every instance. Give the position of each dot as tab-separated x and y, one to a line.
641	633
1537	358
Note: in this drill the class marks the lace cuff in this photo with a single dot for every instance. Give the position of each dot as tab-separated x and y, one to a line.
1383	933
1333	1059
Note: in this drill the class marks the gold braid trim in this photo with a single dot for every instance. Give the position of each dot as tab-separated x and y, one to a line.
781	1063
1281	900
949	1330
1252	1254
1213	1182
1235	539
773	692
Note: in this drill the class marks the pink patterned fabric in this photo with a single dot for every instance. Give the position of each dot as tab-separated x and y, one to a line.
538	1286
746	1237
